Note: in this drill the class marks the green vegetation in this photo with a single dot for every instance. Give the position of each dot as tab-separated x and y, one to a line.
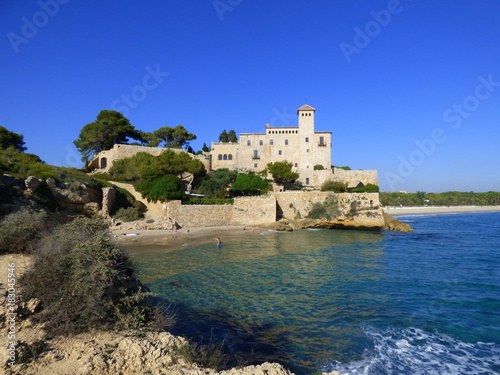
20	231
327	210
250	184
156	177
335	186
21	165
218	185
225	137
84	281
167	136
9	139
110	128
208	201
282	172
318	167
450	198
160	188
345	168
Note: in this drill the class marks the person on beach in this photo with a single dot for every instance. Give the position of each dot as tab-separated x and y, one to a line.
217	241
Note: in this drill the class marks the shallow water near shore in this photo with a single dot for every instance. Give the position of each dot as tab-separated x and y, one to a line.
352	301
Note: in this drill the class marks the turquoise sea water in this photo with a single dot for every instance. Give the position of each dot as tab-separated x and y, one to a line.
358	302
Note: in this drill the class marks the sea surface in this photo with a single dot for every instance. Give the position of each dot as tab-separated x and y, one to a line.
357	302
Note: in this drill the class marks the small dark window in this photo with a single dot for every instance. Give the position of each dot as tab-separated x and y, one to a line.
220	157
279	152
261	142
307	139
255	165
307	181
271	142
225	157
286	142
249	142
230	157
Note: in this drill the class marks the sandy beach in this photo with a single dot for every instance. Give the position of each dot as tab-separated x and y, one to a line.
167	240
437	209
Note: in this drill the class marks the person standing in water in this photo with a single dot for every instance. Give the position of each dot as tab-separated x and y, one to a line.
217	241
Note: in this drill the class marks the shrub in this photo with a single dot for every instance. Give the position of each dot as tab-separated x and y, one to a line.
318	167
131	213
208	201
371	188
164	187
20	231
335	186
84	281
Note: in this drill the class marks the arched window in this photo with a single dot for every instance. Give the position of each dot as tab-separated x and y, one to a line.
220	157
230	157
225	157
104	163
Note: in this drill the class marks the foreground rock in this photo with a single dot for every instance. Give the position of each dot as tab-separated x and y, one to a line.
393	224
109	353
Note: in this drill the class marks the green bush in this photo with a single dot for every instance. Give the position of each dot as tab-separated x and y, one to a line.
131	213
84	281
208	201
358	190
335	186
164	187
20	231
318	167
371	188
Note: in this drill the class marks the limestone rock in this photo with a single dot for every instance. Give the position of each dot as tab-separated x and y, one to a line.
32	184
91	209
394	225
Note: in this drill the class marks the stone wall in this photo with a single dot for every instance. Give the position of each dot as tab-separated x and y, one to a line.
254	210
200	215
365	176
297	204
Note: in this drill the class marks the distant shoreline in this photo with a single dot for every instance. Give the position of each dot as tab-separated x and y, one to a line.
437	209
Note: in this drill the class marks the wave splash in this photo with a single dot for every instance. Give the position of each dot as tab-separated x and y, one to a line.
414	351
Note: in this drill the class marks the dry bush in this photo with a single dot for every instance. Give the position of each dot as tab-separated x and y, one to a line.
20	231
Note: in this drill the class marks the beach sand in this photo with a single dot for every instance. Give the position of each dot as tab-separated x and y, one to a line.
437	209
167	240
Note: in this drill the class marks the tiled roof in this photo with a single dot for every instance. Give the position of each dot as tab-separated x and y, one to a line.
306	107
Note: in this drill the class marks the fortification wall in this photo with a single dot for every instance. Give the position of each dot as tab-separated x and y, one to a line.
298	204
365	176
200	215
254	210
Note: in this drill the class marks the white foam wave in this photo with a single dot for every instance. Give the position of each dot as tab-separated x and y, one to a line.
414	351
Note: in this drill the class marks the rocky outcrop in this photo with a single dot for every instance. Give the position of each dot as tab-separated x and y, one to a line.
394	225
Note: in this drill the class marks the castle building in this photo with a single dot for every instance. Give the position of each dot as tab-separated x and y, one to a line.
301	145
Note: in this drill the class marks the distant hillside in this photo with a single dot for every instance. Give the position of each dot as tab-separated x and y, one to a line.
450	198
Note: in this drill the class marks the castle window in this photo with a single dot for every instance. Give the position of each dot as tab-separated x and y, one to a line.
296	165
261	142
307	180
220	157
255	165
104	163
225	157
307	150
307	139
271	142
230	157
286	142
249	142
280	153
255	155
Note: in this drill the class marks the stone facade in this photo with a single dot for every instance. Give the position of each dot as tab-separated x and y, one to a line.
103	161
301	145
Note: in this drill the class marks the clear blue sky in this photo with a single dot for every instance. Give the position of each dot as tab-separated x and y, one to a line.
410	88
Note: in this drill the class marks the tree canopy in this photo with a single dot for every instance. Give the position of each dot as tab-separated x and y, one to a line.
249	184
225	137
167	136
11	139
282	172
110	128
